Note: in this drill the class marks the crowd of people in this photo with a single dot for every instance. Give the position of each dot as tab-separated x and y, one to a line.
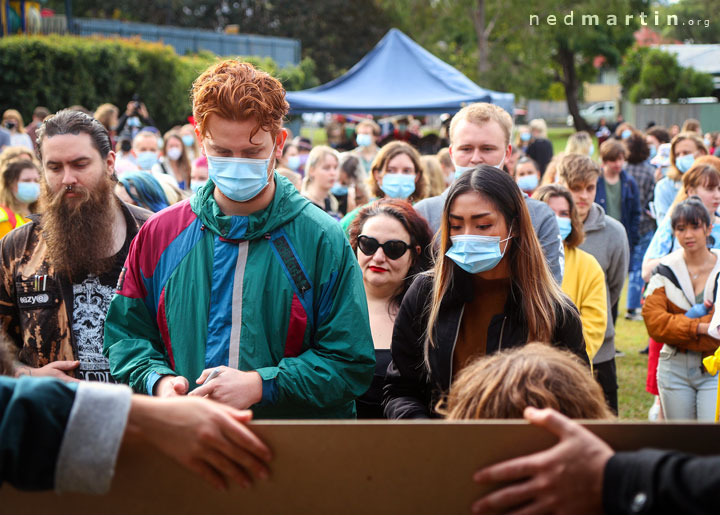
226	269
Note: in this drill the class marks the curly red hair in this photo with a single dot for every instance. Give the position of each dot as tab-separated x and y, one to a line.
238	91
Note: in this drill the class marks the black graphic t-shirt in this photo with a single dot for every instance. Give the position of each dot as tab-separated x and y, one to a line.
92	299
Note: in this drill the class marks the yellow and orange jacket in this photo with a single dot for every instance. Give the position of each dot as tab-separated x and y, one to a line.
9	220
669	295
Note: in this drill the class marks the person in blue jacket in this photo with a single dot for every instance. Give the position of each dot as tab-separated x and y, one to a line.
617	192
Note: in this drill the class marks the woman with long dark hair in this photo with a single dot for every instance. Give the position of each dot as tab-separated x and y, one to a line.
490	289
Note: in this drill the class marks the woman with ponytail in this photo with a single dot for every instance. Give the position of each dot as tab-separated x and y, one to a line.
490	289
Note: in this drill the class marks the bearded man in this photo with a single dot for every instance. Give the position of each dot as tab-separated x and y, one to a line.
59	271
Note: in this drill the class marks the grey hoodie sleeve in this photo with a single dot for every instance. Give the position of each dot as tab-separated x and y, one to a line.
546	229
89	449
618	269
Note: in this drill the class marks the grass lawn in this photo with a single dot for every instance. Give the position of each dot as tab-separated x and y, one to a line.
631	337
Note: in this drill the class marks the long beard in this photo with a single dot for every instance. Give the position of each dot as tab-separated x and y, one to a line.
78	230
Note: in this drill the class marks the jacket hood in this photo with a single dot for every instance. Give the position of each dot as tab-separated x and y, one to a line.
596	218
284	207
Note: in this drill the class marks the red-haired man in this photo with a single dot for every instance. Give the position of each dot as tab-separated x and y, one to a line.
246	280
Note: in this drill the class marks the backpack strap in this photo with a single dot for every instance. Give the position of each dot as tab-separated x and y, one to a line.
301	312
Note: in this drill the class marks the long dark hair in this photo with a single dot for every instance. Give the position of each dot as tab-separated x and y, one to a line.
529	272
414	224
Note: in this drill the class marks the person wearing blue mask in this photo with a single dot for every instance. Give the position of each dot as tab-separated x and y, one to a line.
187	132
245	293
19	192
367	133
523	137
684	149
396	173
290	158
583	277
654	137
480	134
527	175
146	150
490	289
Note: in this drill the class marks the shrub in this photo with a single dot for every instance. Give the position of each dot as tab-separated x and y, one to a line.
60	71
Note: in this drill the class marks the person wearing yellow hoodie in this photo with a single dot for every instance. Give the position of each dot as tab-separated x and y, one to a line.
583	277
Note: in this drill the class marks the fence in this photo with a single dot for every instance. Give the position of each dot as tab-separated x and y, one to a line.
669	114
284	51
553	112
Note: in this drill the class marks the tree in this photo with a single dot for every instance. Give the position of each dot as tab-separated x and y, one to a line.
697	21
334	33
523	56
652	73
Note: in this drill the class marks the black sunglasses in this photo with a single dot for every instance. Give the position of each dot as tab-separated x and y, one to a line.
393	249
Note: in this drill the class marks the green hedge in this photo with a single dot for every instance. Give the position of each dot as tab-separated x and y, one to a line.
60	71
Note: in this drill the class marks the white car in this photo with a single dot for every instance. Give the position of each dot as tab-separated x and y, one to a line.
594	112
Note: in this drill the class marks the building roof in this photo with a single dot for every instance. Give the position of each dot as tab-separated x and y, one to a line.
704	58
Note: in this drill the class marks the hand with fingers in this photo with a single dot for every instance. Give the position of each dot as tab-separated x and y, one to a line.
57	369
566	478
230	386
171	386
206	437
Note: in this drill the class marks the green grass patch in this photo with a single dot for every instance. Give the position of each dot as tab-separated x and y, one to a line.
631	337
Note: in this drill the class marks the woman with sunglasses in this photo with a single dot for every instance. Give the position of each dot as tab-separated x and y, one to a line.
490	289
391	242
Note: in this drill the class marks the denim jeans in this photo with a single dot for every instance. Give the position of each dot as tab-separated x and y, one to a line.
687	391
635	281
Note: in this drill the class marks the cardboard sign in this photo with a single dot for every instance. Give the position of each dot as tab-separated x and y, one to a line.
347	467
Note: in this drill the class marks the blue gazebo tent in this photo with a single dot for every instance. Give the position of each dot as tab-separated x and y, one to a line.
397	77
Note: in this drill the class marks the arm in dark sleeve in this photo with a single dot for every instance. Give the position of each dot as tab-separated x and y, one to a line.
407	392
634	213
653	481
33	416
122	120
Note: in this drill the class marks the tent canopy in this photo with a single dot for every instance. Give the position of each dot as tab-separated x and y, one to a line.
397	77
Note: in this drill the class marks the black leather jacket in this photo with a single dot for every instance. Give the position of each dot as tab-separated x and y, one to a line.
412	392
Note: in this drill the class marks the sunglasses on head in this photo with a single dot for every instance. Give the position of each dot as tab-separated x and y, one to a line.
393	249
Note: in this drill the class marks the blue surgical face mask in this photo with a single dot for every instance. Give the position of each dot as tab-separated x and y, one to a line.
28	192
626	134
653	151
339	190
525	136
398	185
591	151
684	163
239	179
146	160
474	253
196	185
564	226
363	140
293	163
528	182
188	140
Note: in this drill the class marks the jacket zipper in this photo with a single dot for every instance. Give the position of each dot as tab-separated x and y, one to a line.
457	332
502	329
